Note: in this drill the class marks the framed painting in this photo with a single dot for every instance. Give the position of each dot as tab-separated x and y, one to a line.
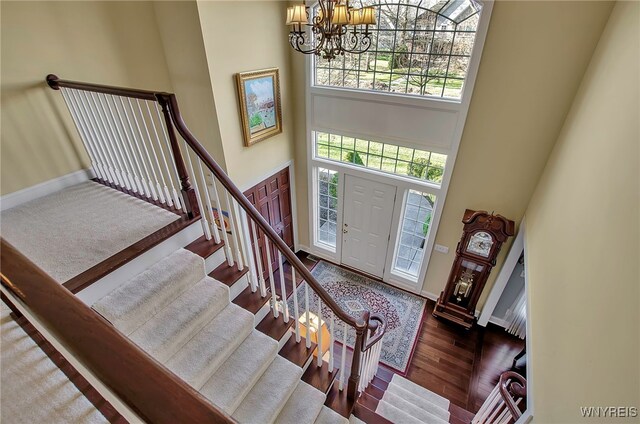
259	98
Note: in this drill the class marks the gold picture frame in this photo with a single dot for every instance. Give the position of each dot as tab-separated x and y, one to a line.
259	101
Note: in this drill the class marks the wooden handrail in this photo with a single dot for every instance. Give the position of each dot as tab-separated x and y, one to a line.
509	388
378	326
54	82
172	113
146	386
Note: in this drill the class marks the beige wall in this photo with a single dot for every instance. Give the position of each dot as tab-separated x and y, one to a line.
189	71
106	42
534	57
582	236
533	60
258	41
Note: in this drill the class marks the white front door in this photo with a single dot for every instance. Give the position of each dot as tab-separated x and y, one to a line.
368	209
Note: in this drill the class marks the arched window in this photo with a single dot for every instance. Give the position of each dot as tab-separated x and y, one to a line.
418	47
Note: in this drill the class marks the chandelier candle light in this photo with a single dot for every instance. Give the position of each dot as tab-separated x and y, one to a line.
335	29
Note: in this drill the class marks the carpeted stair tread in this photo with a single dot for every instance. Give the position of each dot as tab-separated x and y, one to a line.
34	389
228	386
329	416
355	420
303	406
413	410
172	327
210	347
270	394
395	415
420	391
418	401
132	304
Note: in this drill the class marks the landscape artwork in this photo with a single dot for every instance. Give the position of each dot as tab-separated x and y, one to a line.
259	96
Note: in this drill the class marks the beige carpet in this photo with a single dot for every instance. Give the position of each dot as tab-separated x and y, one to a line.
32	388
70	231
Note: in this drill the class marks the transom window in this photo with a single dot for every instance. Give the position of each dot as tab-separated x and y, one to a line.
388	158
419	47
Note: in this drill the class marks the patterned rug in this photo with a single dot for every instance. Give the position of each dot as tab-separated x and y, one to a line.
355	294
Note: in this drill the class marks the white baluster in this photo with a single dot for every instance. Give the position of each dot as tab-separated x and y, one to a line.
488	406
135	144
203	216
156	163
83	136
176	197
122	147
146	159
140	180
272	285
208	206
245	243
343	357
91	131
100	139
234	233
332	341
256	248
214	226
227	247
164	160
283	289
307	318
319	333
296	314
110	138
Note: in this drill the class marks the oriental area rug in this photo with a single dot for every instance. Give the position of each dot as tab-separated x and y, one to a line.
356	293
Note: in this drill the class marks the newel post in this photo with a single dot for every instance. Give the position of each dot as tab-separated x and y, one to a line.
354	377
188	193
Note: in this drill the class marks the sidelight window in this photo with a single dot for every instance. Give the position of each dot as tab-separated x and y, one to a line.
414	231
327	214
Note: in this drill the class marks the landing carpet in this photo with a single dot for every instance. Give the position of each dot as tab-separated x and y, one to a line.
355	294
68	232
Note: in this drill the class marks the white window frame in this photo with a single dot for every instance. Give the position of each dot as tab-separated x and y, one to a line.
486	4
460	106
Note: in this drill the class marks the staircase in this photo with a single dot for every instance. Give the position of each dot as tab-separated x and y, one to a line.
185	320
406	402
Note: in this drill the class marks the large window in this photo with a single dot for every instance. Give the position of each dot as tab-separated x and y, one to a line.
414	163
416	222
419	47
327	207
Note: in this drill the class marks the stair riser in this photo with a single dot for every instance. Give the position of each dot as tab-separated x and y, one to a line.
120	276
263	312
284	339
214	261
238	287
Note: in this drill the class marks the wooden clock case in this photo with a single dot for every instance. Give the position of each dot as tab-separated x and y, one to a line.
470	270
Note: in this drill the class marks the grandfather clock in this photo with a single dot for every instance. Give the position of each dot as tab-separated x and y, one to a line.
482	237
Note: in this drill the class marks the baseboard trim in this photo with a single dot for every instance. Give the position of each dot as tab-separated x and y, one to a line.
429	295
17	198
497	321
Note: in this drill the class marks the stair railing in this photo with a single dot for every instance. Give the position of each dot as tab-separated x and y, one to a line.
502	406
126	372
126	131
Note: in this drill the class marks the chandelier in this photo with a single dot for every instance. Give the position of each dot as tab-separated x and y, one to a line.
335	29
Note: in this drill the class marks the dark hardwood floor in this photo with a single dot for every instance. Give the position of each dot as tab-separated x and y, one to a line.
461	365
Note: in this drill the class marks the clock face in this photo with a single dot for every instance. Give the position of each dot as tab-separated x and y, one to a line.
480	244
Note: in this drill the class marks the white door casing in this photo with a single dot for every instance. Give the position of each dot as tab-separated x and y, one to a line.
367	214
